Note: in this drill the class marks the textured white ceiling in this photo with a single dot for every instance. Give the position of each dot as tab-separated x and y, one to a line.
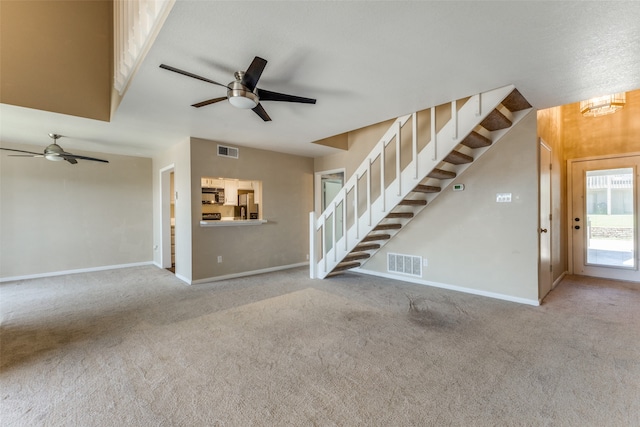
364	62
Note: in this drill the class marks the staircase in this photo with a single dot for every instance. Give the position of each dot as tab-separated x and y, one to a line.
413	162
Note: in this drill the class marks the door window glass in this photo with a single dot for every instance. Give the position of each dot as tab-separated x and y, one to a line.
610	217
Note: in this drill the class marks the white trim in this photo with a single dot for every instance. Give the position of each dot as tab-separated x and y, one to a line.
243	274
451	287
558	280
80	270
317	199
165	213
184	279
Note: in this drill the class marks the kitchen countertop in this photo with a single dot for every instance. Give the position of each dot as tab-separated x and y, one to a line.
226	222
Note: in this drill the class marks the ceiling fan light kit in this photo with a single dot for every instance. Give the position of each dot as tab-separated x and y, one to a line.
243	93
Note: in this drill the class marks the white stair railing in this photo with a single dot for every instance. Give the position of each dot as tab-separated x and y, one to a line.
365	211
136	25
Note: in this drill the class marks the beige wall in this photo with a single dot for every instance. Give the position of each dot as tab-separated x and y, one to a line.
57	56
469	240
360	143
287	193
56	217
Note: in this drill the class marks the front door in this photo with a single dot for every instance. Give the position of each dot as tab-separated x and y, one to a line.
604	220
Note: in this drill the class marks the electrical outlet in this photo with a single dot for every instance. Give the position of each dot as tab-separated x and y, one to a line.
219	259
503	197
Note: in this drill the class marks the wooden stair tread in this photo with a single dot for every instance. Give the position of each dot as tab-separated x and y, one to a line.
426	189
495	121
374	237
457	158
381	227
346	266
366	247
475	140
441	174
409	202
400	215
356	255
515	101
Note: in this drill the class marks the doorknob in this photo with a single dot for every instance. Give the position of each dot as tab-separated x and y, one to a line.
543	230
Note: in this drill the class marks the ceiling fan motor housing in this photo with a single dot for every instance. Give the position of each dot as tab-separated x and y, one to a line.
53	152
239	95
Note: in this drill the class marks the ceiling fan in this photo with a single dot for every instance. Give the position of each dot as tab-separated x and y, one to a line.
242	92
54	152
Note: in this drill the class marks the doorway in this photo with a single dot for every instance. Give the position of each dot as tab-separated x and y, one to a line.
167	217
327	185
603	238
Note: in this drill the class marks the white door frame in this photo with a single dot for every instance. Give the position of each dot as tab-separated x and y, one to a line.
165	215
317	182
545	226
570	195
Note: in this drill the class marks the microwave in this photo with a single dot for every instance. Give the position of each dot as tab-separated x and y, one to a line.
212	196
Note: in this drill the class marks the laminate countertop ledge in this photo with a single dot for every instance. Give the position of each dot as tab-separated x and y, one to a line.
232	222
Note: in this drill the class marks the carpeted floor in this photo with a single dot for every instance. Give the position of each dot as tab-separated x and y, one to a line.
137	347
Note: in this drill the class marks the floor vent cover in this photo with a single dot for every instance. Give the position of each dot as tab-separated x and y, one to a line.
404	264
224	151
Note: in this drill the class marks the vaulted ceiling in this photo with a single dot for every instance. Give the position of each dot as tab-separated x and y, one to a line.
364	62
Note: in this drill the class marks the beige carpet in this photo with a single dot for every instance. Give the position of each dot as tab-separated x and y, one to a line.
136	347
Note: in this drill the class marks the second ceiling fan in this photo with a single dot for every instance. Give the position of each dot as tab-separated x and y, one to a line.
243	93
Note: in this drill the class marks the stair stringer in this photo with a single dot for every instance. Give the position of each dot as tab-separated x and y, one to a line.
463	122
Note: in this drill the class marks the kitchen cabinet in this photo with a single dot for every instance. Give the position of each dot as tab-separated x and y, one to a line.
212	183
245	185
230	192
257	192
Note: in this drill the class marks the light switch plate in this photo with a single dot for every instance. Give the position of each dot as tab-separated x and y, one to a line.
503	197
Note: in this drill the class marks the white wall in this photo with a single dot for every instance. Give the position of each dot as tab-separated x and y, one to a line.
472	242
57	217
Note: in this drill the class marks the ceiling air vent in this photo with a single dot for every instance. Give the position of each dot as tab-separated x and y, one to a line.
404	264
224	151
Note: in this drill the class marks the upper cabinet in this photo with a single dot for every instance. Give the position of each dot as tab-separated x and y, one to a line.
245	185
230	192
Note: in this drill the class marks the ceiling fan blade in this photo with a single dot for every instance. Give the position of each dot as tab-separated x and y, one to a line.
72	157
21	151
253	73
70	160
259	110
26	155
188	74
209	102
267	95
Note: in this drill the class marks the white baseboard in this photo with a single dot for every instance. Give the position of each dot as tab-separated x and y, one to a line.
80	270
472	291
244	273
558	280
